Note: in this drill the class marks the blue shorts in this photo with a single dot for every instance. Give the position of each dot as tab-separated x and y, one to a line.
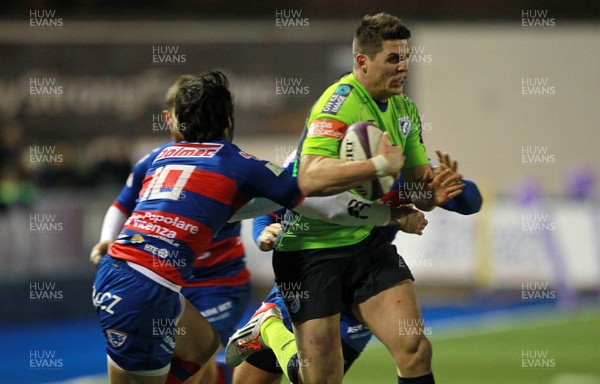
223	306
355	337
138	317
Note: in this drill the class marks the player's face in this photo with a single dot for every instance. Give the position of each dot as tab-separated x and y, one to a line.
387	71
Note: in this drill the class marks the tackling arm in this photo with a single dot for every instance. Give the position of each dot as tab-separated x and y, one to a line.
344	209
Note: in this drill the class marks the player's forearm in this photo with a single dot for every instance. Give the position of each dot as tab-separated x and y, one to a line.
423	204
112	224
322	176
345	209
415	179
259	224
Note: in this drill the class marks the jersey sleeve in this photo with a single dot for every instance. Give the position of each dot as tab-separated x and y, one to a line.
112	223
468	202
126	200
329	121
414	149
260	178
324	136
260	223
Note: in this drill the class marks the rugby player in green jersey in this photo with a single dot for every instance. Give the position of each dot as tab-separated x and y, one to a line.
322	269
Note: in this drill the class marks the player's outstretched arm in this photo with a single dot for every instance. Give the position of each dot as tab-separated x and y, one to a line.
343	209
323	176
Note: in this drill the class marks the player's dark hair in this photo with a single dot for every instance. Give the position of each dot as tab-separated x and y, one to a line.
204	108
172	91
374	30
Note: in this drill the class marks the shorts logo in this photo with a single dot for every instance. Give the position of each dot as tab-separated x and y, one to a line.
294	305
405	127
334	104
116	338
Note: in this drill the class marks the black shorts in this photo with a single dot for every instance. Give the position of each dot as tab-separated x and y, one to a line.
318	283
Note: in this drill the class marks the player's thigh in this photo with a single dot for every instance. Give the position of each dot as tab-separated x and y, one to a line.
118	376
248	374
196	340
394	316
313	282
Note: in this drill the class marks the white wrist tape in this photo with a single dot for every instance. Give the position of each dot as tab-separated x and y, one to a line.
382	165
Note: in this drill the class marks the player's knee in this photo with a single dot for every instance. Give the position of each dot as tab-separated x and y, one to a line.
425	351
416	356
323	344
319	362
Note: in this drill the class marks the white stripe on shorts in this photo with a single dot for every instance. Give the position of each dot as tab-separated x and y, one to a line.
154	277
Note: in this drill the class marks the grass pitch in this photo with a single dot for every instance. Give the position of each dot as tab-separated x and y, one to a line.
559	348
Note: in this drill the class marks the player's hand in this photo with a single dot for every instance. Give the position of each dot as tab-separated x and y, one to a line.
444	186
393	154
408	219
266	239
98	251
445	161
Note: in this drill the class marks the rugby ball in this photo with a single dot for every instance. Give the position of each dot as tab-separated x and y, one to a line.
360	142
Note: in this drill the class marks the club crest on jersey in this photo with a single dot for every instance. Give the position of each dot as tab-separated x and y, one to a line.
116	338
404	123
334	104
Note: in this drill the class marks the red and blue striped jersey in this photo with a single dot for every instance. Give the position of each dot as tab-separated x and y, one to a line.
187	194
223	263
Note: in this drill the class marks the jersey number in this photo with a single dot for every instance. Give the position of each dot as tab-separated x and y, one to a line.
168	182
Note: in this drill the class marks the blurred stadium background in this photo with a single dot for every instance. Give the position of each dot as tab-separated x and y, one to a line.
510	89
